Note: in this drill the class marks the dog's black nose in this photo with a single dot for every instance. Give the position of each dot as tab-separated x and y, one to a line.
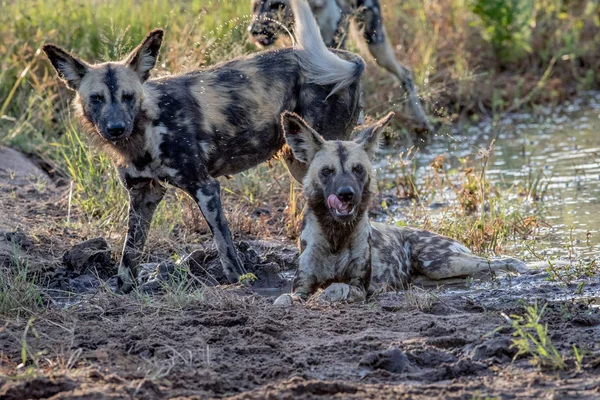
345	193
116	129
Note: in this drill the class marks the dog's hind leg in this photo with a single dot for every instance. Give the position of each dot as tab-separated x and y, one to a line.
448	265
440	257
144	197
374	33
207	196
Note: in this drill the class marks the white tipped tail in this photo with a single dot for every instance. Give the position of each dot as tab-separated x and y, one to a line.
321	66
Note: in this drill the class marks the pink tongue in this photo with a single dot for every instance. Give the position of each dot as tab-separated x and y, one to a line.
334	202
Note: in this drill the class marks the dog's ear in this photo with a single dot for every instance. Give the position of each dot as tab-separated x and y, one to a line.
69	68
369	137
143	58
304	140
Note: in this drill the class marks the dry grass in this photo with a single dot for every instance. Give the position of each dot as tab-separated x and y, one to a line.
460	68
419	298
476	211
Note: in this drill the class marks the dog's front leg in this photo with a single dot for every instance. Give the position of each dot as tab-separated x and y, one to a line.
144	197
208	197
303	286
337	292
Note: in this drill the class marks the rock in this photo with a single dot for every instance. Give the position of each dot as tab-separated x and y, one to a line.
7	255
36	388
392	360
19	238
495	347
153	276
83	283
285	300
17	170
583	320
463	367
91	256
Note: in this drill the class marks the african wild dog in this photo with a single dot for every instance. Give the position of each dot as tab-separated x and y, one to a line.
186	130
341	250
270	17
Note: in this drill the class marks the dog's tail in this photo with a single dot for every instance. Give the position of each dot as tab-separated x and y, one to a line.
321	66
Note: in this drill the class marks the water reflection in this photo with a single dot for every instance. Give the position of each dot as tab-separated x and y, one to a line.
559	146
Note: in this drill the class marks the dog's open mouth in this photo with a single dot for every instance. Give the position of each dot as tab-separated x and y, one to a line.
340	208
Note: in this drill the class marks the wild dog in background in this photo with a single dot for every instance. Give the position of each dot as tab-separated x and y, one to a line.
334	18
187	130
341	250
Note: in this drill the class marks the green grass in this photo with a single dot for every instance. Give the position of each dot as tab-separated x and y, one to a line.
532	338
19	296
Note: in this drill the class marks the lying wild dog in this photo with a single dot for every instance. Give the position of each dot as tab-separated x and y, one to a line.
270	17
341	250
186	130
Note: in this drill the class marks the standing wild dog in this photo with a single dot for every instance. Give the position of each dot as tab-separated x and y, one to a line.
186	130
269	18
344	253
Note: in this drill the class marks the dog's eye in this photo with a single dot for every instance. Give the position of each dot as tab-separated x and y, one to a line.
358	169
325	172
97	98
128	97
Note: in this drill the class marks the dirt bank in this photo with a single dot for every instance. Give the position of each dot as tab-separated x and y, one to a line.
229	342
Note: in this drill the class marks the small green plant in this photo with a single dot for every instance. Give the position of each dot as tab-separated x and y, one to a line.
247	278
578	358
469	282
507	25
18	294
575	268
532	338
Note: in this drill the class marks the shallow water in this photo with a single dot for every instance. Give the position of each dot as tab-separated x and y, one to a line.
560	145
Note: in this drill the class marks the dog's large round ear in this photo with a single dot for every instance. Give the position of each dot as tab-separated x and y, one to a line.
143	58
69	68
369	137
304	140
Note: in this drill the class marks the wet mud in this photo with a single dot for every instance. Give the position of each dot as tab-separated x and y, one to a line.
232	343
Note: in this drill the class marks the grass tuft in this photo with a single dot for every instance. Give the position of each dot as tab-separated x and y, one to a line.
19	296
531	338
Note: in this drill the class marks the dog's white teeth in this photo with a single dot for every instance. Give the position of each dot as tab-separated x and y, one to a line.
344	212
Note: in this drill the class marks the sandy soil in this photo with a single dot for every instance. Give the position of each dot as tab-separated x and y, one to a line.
233	343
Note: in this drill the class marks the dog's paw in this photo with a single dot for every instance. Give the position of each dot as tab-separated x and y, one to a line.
514	265
334	293
286	300
125	282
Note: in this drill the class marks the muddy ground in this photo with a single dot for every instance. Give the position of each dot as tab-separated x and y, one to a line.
230	342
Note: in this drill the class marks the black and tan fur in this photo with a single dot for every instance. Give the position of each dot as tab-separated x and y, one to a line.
189	129
270	17
346	254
